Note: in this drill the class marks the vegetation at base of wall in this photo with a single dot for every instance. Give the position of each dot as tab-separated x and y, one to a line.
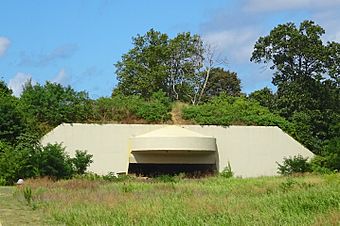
294	164
33	160
302	200
227	171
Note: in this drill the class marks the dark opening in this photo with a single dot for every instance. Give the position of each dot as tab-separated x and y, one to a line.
153	170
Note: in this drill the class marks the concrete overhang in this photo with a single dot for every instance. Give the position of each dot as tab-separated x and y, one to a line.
173	138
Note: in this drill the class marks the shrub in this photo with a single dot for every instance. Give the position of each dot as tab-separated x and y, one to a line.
226	110
157	109
318	165
117	108
227	172
295	164
27	191
54	162
81	161
15	163
129	108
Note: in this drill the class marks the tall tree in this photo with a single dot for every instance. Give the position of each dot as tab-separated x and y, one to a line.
264	96
306	72
143	69
221	81
157	62
302	64
12	122
53	104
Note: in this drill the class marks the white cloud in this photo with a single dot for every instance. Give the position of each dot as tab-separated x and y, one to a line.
280	5
4	44
16	84
236	44
61	78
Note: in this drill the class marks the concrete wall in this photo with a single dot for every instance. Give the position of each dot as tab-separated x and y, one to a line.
251	150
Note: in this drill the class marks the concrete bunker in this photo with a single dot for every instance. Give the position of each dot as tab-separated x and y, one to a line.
172	150
251	150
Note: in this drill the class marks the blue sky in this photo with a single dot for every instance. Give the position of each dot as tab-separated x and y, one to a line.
77	42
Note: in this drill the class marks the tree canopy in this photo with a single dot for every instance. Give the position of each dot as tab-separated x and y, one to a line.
176	66
53	104
306	73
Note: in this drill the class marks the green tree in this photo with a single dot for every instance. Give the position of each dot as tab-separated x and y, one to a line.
157	62
53	104
4	90
302	65
12	121
306	73
264	96
221	81
54	162
81	161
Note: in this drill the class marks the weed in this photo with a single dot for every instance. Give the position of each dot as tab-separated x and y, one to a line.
2	181
168	179
127	187
288	184
227	171
27	191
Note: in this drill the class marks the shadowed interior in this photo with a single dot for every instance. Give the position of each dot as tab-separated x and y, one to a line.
152	170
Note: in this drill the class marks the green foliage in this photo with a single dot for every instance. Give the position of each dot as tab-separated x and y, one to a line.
88	176
54	162
12	122
128	109
53	104
81	161
113	177
329	159
155	110
15	163
227	171
295	164
306	73
224	110
3	181
265	97
288	184
221	81
118	108
27	191
168	178
4	90
157	62
27	160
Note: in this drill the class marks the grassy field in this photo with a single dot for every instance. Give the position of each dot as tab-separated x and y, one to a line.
301	200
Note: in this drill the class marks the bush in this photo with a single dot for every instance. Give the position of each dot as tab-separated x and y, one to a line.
227	172
129	108
157	109
118	108
54	162
319	165
15	163
81	161
226	110
295	164
27	160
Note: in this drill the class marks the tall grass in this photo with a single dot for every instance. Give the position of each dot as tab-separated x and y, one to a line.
304	200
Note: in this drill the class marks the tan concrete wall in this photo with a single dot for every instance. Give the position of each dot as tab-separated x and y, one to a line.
251	150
